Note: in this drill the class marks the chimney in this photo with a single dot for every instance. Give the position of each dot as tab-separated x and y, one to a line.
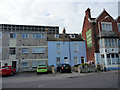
64	31
88	14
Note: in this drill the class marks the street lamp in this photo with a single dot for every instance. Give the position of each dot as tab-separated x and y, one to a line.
100	38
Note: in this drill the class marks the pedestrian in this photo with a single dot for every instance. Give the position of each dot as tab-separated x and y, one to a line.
53	70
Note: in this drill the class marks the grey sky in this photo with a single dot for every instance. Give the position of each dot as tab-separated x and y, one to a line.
68	14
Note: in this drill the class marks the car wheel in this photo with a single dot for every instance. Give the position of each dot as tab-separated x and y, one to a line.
11	73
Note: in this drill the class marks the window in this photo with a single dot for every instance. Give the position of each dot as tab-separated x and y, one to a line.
12	35
24	35
24	64
38	50
38	35
75	60
56	35
119	43
72	36
107	26
24	50
0	50
109	40
35	63
0	35
58	47
105	42
108	61
115	42
112	42
119	27
108	55
57	60
75	47
12	51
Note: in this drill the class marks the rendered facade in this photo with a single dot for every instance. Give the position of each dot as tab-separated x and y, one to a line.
66	48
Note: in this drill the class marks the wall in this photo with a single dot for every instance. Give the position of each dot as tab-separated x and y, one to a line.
52	54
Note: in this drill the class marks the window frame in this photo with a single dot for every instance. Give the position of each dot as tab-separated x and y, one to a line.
11	52
24	62
38	35
107	26
0	35
76	47
25	52
58	48
12	37
35	51
25	34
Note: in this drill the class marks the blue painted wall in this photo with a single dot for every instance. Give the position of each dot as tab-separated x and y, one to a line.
52	52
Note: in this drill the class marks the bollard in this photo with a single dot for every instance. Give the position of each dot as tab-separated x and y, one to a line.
53	70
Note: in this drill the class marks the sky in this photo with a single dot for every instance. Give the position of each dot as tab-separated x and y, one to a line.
63	13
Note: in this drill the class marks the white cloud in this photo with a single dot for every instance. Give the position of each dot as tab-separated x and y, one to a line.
69	14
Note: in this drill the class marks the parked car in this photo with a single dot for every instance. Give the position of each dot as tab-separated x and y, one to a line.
7	70
42	68
64	68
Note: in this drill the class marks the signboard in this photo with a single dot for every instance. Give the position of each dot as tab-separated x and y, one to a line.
89	38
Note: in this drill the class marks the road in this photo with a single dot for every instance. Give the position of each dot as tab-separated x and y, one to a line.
90	80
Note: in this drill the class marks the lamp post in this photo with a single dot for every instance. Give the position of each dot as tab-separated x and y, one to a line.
100	38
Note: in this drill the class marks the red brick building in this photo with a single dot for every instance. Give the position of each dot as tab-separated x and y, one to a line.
102	36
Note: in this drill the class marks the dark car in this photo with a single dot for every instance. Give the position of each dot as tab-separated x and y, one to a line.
64	68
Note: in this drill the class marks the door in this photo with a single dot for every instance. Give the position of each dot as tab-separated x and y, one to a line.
14	64
82	59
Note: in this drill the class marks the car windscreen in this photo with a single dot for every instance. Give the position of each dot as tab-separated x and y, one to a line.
42	65
66	65
5	67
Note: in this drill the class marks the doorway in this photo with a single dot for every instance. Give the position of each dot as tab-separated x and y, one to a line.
14	64
82	59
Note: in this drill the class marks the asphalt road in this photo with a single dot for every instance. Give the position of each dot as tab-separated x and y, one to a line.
95	80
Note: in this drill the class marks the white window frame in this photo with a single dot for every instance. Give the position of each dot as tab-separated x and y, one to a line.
75	47
58	60
0	35
24	62
26	35
37	50
11	49
26	51
106	24
0	50
56	35
72	36
75	60
13	36
58	48
118	27
42	35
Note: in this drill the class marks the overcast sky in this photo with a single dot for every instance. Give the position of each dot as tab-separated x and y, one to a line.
63	13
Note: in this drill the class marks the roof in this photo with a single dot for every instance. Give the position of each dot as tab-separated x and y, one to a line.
64	37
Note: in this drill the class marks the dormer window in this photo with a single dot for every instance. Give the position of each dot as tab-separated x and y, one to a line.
72	36
56	35
106	26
